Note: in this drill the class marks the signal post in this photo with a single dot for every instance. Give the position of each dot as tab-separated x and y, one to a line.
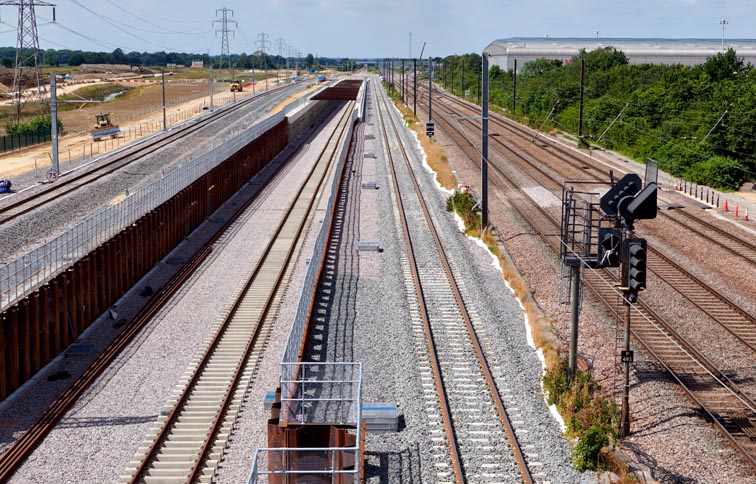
626	202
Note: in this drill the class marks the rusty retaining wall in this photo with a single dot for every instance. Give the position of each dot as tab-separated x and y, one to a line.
42	325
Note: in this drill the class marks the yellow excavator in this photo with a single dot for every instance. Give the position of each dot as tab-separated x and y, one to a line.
236	86
104	128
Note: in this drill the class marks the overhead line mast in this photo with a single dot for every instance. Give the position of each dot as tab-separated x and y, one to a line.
27	53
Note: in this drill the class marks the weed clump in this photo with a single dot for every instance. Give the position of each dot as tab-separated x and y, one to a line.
590	417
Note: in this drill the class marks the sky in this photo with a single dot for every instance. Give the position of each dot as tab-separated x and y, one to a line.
370	28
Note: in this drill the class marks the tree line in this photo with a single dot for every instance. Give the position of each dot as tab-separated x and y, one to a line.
698	122
256	60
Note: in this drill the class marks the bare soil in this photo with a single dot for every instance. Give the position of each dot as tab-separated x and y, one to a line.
138	114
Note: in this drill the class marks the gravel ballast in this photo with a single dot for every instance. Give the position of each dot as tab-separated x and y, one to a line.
670	439
100	434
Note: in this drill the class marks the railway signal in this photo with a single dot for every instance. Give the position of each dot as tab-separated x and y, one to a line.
620	195
643	206
609	243
430	129
635	267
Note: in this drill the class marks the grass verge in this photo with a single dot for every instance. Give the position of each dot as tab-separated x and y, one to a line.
434	153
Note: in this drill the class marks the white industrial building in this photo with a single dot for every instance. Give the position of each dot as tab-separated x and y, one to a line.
689	52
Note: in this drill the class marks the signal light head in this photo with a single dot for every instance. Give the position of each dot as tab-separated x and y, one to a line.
609	243
635	266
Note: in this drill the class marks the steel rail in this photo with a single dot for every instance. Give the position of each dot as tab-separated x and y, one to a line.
730	422
480	354
725	312
14	456
299	220
69	184
727	240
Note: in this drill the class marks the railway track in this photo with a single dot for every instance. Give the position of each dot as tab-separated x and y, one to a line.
20	204
15	455
723	311
587	166
188	439
728	407
471	448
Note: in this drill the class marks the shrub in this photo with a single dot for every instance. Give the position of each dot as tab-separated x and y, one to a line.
589	416
38	124
465	205
586	452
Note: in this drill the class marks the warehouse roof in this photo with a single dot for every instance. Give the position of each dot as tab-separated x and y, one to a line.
506	52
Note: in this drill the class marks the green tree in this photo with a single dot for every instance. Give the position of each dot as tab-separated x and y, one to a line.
725	66
50	58
76	59
118	57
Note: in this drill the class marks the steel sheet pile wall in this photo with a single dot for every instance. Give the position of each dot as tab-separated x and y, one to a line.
43	324
22	276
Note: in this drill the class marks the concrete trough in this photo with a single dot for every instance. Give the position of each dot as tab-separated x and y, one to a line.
368	246
380	417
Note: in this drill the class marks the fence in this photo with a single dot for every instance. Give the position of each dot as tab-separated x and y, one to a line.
20	277
13	142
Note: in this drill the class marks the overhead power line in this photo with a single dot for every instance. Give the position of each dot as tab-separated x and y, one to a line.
148	22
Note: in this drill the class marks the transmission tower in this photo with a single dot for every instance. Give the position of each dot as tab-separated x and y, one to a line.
224	30
27	54
280	49
263	42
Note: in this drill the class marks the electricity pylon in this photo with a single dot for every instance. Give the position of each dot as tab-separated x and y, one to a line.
27	55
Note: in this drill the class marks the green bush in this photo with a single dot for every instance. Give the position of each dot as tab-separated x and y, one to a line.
464	205
586	452
667	110
589	416
38	124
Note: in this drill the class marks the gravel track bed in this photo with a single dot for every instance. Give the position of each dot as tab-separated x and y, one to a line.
101	433
251	428
669	437
32	230
460	368
501	324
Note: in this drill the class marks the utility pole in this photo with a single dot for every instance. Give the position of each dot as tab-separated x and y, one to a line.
484	147
262	41
54	121
224	30
27	53
414	86
279	47
164	117
624	426
430	89
404	83
514	86
211	88
410	46
451	73
580	108
462	77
